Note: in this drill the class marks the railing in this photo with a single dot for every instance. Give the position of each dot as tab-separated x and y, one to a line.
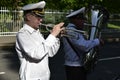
110	33
10	21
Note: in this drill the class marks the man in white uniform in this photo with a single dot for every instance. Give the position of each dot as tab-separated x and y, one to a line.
33	50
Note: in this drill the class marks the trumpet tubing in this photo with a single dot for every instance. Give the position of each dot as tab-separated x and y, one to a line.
49	27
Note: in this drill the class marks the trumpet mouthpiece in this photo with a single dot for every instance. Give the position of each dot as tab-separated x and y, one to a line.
48	25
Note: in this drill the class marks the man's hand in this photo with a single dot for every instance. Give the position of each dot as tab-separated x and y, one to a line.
57	29
101	42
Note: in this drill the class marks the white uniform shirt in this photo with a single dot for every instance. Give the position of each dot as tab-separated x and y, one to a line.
33	51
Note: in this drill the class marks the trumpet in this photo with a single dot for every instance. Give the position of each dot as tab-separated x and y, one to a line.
66	31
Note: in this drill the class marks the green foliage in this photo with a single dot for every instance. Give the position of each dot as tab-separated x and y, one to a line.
54	17
24	2
16	3
113	26
111	5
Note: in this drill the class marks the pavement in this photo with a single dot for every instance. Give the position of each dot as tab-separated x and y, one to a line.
9	64
107	68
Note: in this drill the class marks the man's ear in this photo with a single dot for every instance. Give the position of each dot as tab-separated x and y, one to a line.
28	16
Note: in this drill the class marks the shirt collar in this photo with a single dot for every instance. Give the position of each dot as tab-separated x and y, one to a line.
71	25
29	28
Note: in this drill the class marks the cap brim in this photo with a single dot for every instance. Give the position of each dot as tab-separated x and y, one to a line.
82	10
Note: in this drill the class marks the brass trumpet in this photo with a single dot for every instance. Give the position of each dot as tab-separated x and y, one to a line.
66	31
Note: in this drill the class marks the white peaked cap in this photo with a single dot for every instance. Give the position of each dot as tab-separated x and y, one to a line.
39	5
81	10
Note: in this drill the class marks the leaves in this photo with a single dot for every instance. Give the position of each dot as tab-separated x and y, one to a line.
111	5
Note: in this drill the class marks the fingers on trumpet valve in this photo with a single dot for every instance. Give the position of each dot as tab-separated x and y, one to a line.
59	26
57	29
63	32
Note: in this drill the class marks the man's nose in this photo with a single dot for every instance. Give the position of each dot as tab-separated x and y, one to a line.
40	19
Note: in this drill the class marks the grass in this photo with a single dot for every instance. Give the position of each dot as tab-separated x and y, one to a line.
113	26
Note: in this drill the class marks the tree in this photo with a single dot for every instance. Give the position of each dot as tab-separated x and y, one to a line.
111	5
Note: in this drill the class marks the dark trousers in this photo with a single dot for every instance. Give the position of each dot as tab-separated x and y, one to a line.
75	73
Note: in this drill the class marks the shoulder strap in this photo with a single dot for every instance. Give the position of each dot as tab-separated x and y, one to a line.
72	46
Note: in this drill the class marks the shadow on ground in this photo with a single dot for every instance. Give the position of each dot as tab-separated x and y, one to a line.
107	69
12	58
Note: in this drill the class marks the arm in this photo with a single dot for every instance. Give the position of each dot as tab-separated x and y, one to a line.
83	44
52	45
